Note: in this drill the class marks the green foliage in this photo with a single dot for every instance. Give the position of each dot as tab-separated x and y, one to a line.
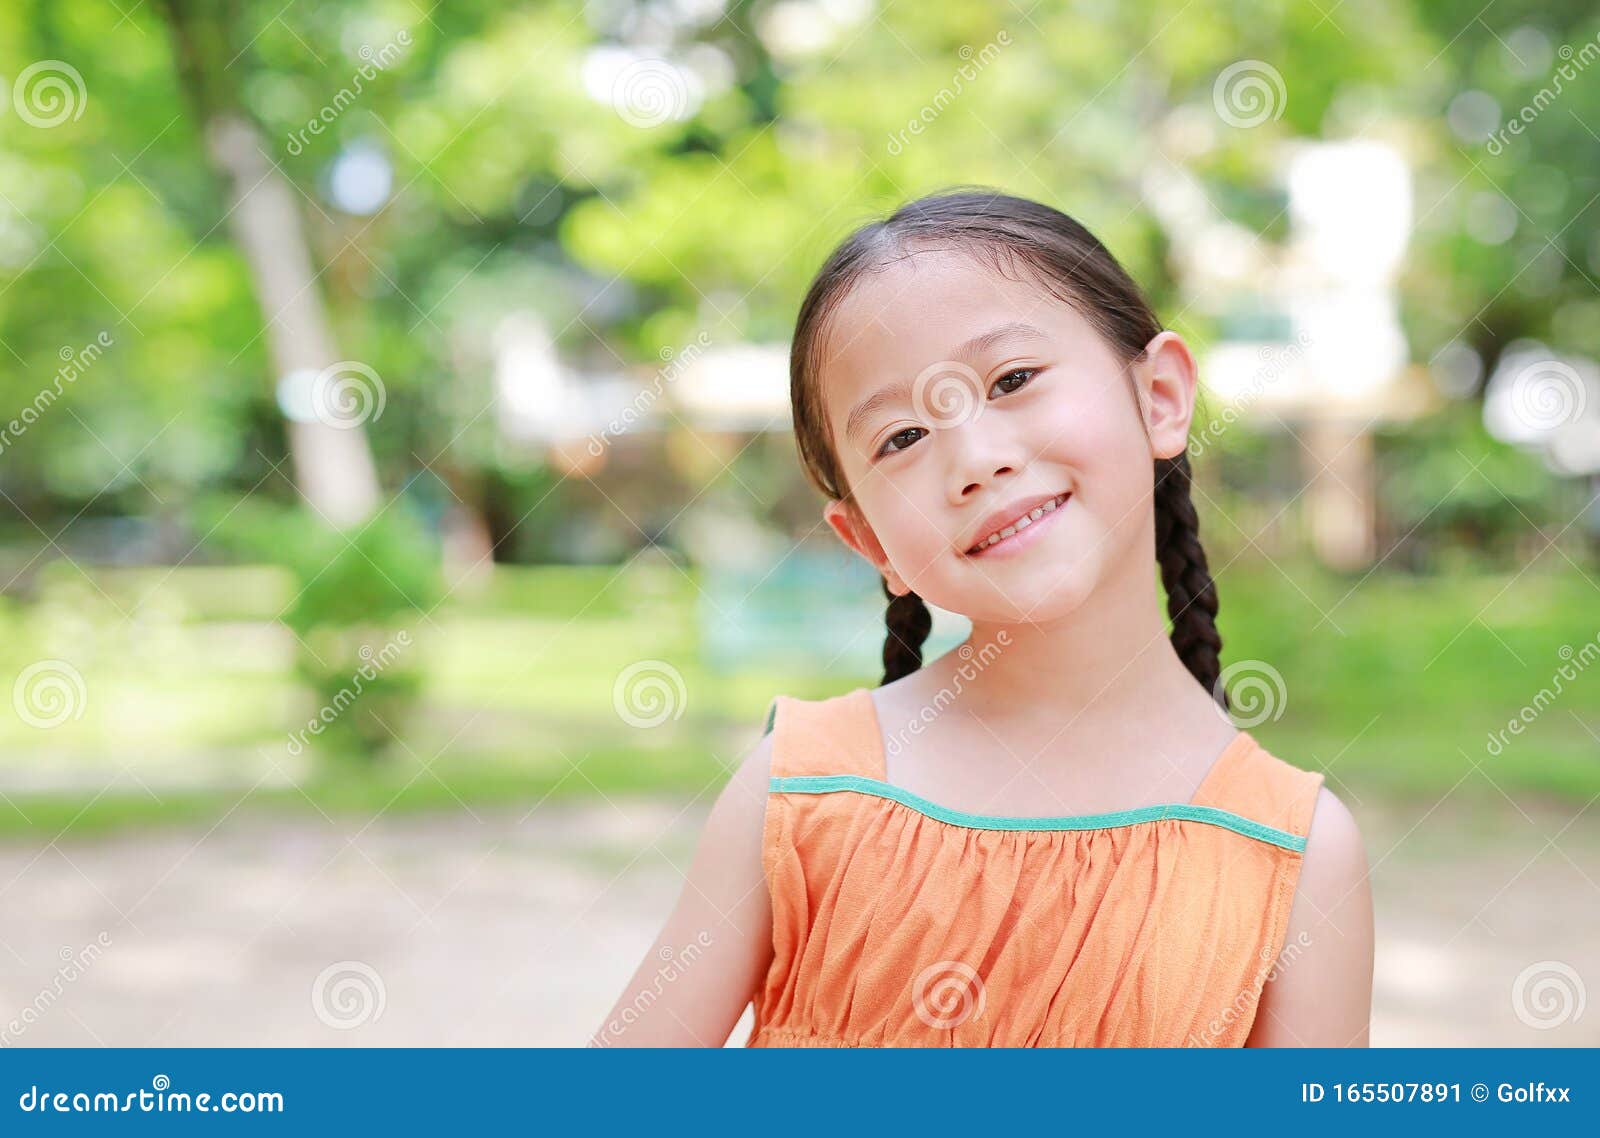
1453	493
360	602
519	186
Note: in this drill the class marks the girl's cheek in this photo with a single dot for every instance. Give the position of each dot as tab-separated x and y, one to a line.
1094	426
1074	438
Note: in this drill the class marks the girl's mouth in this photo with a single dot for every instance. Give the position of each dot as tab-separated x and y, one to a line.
1017	535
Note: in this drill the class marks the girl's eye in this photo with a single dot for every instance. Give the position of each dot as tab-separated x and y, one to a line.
917	431
1026	373
1014	379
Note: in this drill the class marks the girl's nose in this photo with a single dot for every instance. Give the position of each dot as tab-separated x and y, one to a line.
981	456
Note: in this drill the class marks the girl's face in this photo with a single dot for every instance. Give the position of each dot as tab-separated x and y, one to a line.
960	400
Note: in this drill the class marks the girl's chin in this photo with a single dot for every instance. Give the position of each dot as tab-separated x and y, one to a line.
1034	602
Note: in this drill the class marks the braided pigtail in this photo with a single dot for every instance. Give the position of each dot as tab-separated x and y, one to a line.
1191	594
908	622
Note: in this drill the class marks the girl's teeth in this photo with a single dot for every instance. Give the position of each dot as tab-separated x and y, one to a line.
1021	523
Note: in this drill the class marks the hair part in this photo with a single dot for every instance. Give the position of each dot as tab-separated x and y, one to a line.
1013	236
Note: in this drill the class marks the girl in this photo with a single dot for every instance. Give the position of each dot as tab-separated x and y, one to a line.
1053	835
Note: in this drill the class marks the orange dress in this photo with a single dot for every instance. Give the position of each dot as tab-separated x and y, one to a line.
898	922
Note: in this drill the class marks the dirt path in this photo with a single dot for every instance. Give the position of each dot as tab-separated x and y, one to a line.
521	928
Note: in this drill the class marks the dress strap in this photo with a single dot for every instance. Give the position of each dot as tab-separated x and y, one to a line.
838	735
1251	782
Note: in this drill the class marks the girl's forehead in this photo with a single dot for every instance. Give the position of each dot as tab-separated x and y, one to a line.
918	311
915	296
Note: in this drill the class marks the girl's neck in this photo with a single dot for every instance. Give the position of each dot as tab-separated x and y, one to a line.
1110	658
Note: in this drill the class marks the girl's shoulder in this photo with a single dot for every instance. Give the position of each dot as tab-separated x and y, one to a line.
1250	781
838	735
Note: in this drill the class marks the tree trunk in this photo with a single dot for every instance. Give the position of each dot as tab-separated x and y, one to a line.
333	466
332	462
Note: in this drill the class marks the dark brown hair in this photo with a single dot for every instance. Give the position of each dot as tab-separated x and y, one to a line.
1012	234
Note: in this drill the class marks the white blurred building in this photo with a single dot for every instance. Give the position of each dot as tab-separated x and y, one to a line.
1341	364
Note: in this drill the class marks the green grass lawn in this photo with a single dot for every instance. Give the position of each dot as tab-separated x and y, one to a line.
1397	682
1392	684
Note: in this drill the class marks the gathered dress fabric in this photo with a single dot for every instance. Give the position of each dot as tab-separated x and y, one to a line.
897	922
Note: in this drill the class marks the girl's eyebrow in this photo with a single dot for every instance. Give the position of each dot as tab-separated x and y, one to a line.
863	411
1016	330
901	388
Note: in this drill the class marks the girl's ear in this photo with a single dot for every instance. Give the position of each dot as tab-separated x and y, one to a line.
1165	380
854	531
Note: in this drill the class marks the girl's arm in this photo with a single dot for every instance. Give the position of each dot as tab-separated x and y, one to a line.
1320	994
701	972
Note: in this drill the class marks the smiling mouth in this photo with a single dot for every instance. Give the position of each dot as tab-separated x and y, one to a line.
1012	528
